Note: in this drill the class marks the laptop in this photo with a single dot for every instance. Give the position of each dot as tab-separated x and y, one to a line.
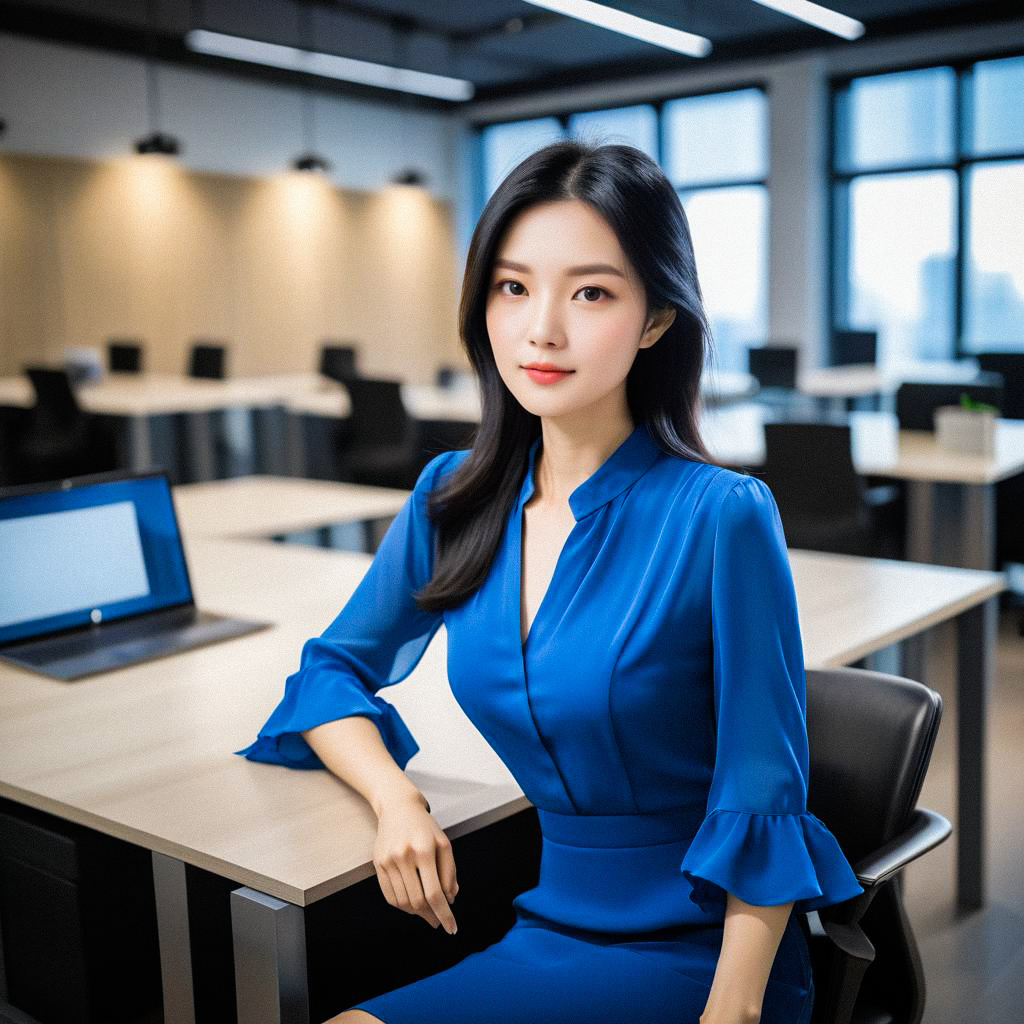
93	577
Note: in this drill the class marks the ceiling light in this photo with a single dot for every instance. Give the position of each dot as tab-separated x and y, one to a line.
311	162
158	142
410	177
629	25
328	65
820	17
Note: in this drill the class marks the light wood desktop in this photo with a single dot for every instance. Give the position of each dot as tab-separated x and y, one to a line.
144	754
951	497
268	506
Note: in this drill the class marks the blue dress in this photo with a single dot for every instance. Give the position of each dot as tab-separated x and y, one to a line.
655	717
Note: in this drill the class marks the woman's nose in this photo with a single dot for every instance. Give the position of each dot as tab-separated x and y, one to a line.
546	326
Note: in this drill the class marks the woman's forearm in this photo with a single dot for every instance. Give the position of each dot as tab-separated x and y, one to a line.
749	944
353	750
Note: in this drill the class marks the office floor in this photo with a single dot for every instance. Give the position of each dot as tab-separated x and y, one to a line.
975	965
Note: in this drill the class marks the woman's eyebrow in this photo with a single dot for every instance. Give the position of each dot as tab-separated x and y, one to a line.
587	268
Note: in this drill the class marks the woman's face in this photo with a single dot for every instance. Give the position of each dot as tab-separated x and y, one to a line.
562	292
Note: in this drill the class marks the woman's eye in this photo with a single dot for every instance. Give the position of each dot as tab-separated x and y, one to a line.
517	284
592	288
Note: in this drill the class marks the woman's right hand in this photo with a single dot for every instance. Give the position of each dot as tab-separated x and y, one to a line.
414	860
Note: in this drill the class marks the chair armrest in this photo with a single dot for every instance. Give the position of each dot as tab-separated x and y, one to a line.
927	829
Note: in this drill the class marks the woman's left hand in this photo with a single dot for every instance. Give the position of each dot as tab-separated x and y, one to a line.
737	1014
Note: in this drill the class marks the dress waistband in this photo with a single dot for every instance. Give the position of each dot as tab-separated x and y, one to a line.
642	828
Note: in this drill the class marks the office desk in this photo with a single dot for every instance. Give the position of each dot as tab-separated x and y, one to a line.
951	497
144	754
267	506
865	380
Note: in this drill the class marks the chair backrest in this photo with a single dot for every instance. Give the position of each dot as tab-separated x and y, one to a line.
56	405
207	360
809	468
854	348
379	416
916	401
1010	365
338	362
773	366
124	356
871	737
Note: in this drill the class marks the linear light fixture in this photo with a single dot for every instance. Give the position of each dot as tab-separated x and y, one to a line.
329	65
629	25
820	17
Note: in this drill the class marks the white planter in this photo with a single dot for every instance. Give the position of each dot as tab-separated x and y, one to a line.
970	432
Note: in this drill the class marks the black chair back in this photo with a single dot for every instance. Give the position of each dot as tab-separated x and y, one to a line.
773	366
56	406
124	356
871	737
338	362
1010	365
809	468
854	348
208	361
916	401
379	416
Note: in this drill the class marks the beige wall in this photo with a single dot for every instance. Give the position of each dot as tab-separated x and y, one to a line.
141	247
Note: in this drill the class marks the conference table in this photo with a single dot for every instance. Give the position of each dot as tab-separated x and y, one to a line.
951	496
144	754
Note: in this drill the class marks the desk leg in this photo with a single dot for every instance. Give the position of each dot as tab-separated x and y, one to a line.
269	935
978	527
140	448
173	928
975	641
920	521
199	437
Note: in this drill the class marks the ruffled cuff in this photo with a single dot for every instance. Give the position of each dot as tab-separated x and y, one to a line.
330	698
765	860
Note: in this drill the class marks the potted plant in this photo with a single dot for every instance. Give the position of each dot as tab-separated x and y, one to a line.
969	428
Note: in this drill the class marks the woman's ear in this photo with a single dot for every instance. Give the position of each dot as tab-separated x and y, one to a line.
657	324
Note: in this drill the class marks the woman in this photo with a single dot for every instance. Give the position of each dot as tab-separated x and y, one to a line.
622	629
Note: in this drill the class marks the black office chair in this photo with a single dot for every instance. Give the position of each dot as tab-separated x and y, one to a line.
124	356
58	438
871	737
773	366
1010	365
824	503
1009	492
916	401
208	360
385	440
338	362
854	348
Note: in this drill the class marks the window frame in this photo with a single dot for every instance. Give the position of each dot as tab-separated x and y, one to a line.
837	213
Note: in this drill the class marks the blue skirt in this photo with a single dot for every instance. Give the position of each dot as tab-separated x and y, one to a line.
609	933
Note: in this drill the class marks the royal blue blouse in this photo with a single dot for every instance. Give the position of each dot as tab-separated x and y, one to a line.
664	668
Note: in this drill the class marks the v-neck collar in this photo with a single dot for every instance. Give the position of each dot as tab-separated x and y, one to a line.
623	467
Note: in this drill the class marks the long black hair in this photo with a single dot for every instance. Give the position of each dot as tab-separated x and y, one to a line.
629	190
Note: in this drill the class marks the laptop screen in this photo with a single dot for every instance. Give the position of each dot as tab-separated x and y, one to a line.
89	551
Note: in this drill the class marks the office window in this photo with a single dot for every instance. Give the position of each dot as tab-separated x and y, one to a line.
631	126
505	145
912	153
896	119
716	154
994	288
997	123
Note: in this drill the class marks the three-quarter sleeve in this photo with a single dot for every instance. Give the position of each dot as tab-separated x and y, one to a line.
758	840
377	640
